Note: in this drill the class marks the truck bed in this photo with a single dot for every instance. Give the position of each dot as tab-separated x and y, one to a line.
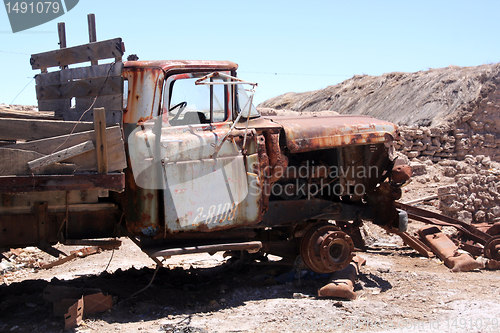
59	164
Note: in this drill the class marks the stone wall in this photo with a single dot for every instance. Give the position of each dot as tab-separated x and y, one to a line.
476	132
465	154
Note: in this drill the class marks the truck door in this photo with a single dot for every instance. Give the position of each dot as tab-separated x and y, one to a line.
202	190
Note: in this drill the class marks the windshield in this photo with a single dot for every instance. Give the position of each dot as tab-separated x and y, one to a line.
243	101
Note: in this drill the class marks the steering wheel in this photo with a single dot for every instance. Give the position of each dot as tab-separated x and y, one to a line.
181	106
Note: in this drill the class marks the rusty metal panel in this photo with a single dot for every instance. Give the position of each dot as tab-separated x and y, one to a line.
200	192
204	194
193	142
184	65
146	81
144	94
260	123
313	133
445	249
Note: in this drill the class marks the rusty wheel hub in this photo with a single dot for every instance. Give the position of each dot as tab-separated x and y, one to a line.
492	248
326	249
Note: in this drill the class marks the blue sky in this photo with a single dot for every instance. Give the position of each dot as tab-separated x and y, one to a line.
283	45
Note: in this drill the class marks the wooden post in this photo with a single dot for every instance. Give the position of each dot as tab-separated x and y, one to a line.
92	32
101	145
100	140
61	30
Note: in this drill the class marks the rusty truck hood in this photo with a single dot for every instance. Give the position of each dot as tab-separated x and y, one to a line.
322	132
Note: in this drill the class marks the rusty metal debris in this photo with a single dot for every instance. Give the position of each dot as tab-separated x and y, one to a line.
416	244
470	238
456	260
342	282
81	253
59	261
401	173
251	247
86	251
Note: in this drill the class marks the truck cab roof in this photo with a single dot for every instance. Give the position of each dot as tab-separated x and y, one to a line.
168	65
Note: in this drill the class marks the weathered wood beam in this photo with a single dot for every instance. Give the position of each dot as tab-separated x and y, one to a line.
111	48
100	140
81	88
61	155
31	129
110	181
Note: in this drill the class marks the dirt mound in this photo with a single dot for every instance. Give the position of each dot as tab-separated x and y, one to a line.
450	130
426	98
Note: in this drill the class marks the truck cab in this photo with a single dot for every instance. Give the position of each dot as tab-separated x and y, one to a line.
208	172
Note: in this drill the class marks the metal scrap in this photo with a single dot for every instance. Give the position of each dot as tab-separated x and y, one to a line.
456	260
342	282
81	253
471	238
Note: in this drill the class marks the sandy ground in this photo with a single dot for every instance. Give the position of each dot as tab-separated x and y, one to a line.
398	291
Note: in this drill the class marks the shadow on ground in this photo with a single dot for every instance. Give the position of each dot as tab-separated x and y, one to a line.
173	292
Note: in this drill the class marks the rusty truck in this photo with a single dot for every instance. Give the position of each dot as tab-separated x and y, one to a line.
174	155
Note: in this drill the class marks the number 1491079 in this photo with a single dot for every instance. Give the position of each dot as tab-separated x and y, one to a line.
32	7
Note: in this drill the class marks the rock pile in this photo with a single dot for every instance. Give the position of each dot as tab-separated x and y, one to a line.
474	196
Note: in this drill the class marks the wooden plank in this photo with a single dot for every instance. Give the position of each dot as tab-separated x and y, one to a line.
97	303
75	208
52	198
42	224
116	158
112	117
100	140
49	145
86	161
80	73
74	317
24	129
55	105
82	88
110	102
8	113
61	155
14	161
106	49
110	181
